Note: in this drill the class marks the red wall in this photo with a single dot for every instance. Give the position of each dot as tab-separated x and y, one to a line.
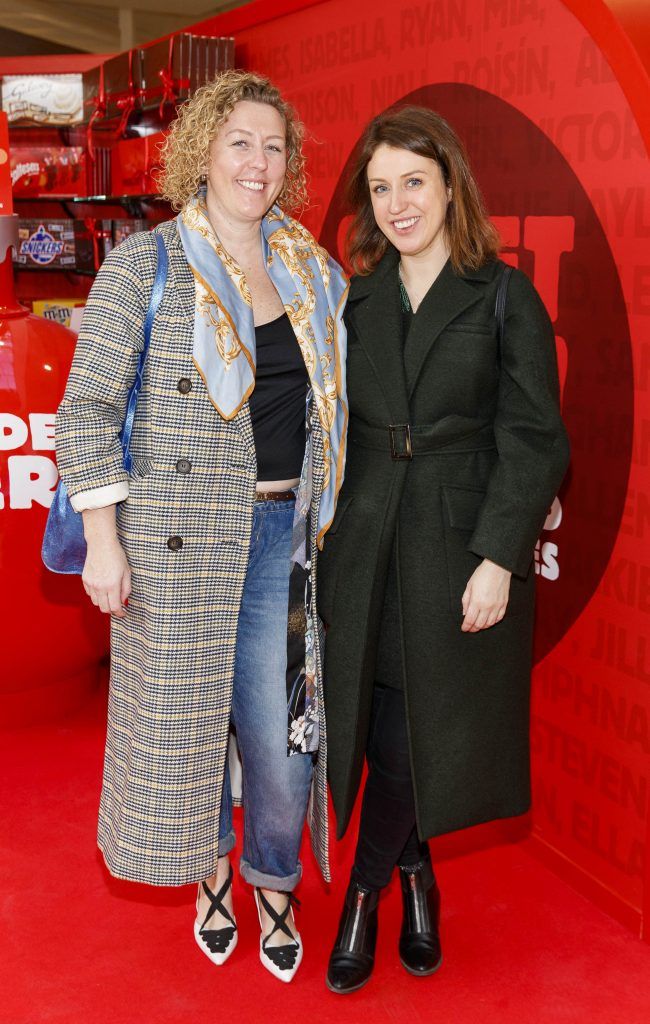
553	103
634	16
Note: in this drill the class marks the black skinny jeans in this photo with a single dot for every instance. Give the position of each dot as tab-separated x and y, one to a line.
387	832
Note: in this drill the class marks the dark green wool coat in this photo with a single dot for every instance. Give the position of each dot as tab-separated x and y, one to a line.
489	454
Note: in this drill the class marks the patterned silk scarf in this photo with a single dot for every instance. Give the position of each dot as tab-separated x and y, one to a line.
313	290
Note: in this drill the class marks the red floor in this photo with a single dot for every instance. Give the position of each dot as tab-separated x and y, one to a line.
519	945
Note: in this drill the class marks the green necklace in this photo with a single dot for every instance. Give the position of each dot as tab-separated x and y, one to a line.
406	302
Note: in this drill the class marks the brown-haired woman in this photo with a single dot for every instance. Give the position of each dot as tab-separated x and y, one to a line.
238	447
456	450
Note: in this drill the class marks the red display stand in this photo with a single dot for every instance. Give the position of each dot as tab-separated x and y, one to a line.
53	640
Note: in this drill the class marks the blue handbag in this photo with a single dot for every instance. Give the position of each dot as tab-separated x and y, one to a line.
64	545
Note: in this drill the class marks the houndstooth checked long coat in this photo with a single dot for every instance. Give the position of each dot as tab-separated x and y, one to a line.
172	656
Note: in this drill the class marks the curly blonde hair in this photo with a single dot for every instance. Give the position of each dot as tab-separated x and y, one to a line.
185	151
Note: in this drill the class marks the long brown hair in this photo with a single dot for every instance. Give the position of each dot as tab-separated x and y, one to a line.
471	237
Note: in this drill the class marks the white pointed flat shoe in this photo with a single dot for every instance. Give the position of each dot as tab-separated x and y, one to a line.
216	943
281	961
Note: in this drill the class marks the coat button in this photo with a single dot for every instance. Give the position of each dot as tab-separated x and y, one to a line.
184	385
183	466
175	543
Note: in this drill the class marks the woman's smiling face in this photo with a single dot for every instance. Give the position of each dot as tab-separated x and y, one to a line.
248	162
409	199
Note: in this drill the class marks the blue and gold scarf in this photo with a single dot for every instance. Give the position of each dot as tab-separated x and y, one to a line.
313	290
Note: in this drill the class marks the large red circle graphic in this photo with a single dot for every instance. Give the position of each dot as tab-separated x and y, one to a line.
550	230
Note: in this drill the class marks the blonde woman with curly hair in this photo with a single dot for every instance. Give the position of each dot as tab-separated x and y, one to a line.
237	454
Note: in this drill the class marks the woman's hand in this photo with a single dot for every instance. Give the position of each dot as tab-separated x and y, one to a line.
106	576
486	597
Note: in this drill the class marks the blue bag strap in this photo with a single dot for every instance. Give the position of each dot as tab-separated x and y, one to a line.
154	302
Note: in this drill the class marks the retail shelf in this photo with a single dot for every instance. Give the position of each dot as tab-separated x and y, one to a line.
120	200
133	204
58	198
24	267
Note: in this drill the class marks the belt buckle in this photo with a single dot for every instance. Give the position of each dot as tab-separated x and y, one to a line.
400	432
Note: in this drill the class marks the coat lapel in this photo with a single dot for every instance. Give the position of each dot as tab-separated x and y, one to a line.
375	312
448	297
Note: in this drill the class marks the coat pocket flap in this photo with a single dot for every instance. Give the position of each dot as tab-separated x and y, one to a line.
463	505
468	328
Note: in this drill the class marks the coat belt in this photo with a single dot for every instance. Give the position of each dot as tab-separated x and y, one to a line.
403	441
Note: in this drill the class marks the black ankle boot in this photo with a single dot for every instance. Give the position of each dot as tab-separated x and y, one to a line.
419	943
353	956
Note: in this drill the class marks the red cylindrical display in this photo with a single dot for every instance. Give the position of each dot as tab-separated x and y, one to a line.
54	640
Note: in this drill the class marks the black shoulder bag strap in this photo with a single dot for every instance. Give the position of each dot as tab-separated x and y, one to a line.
500	305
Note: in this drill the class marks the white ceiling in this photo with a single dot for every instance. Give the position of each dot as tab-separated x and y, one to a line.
105	26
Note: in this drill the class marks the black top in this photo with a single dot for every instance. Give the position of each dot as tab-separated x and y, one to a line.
277	403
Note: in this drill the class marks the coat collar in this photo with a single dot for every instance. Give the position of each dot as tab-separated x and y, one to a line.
361	286
449	296
376	311
169	231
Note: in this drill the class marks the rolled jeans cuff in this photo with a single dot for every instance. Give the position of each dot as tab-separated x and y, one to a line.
273	882
227	843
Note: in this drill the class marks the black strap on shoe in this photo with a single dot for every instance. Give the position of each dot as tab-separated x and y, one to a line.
279	919
216	902
284	957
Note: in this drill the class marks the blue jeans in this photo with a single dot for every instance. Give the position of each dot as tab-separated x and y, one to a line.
275	787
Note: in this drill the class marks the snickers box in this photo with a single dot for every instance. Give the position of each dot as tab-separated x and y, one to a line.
46	244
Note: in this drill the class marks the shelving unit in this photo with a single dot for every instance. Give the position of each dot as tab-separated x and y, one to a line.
135	205
42	282
129	101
